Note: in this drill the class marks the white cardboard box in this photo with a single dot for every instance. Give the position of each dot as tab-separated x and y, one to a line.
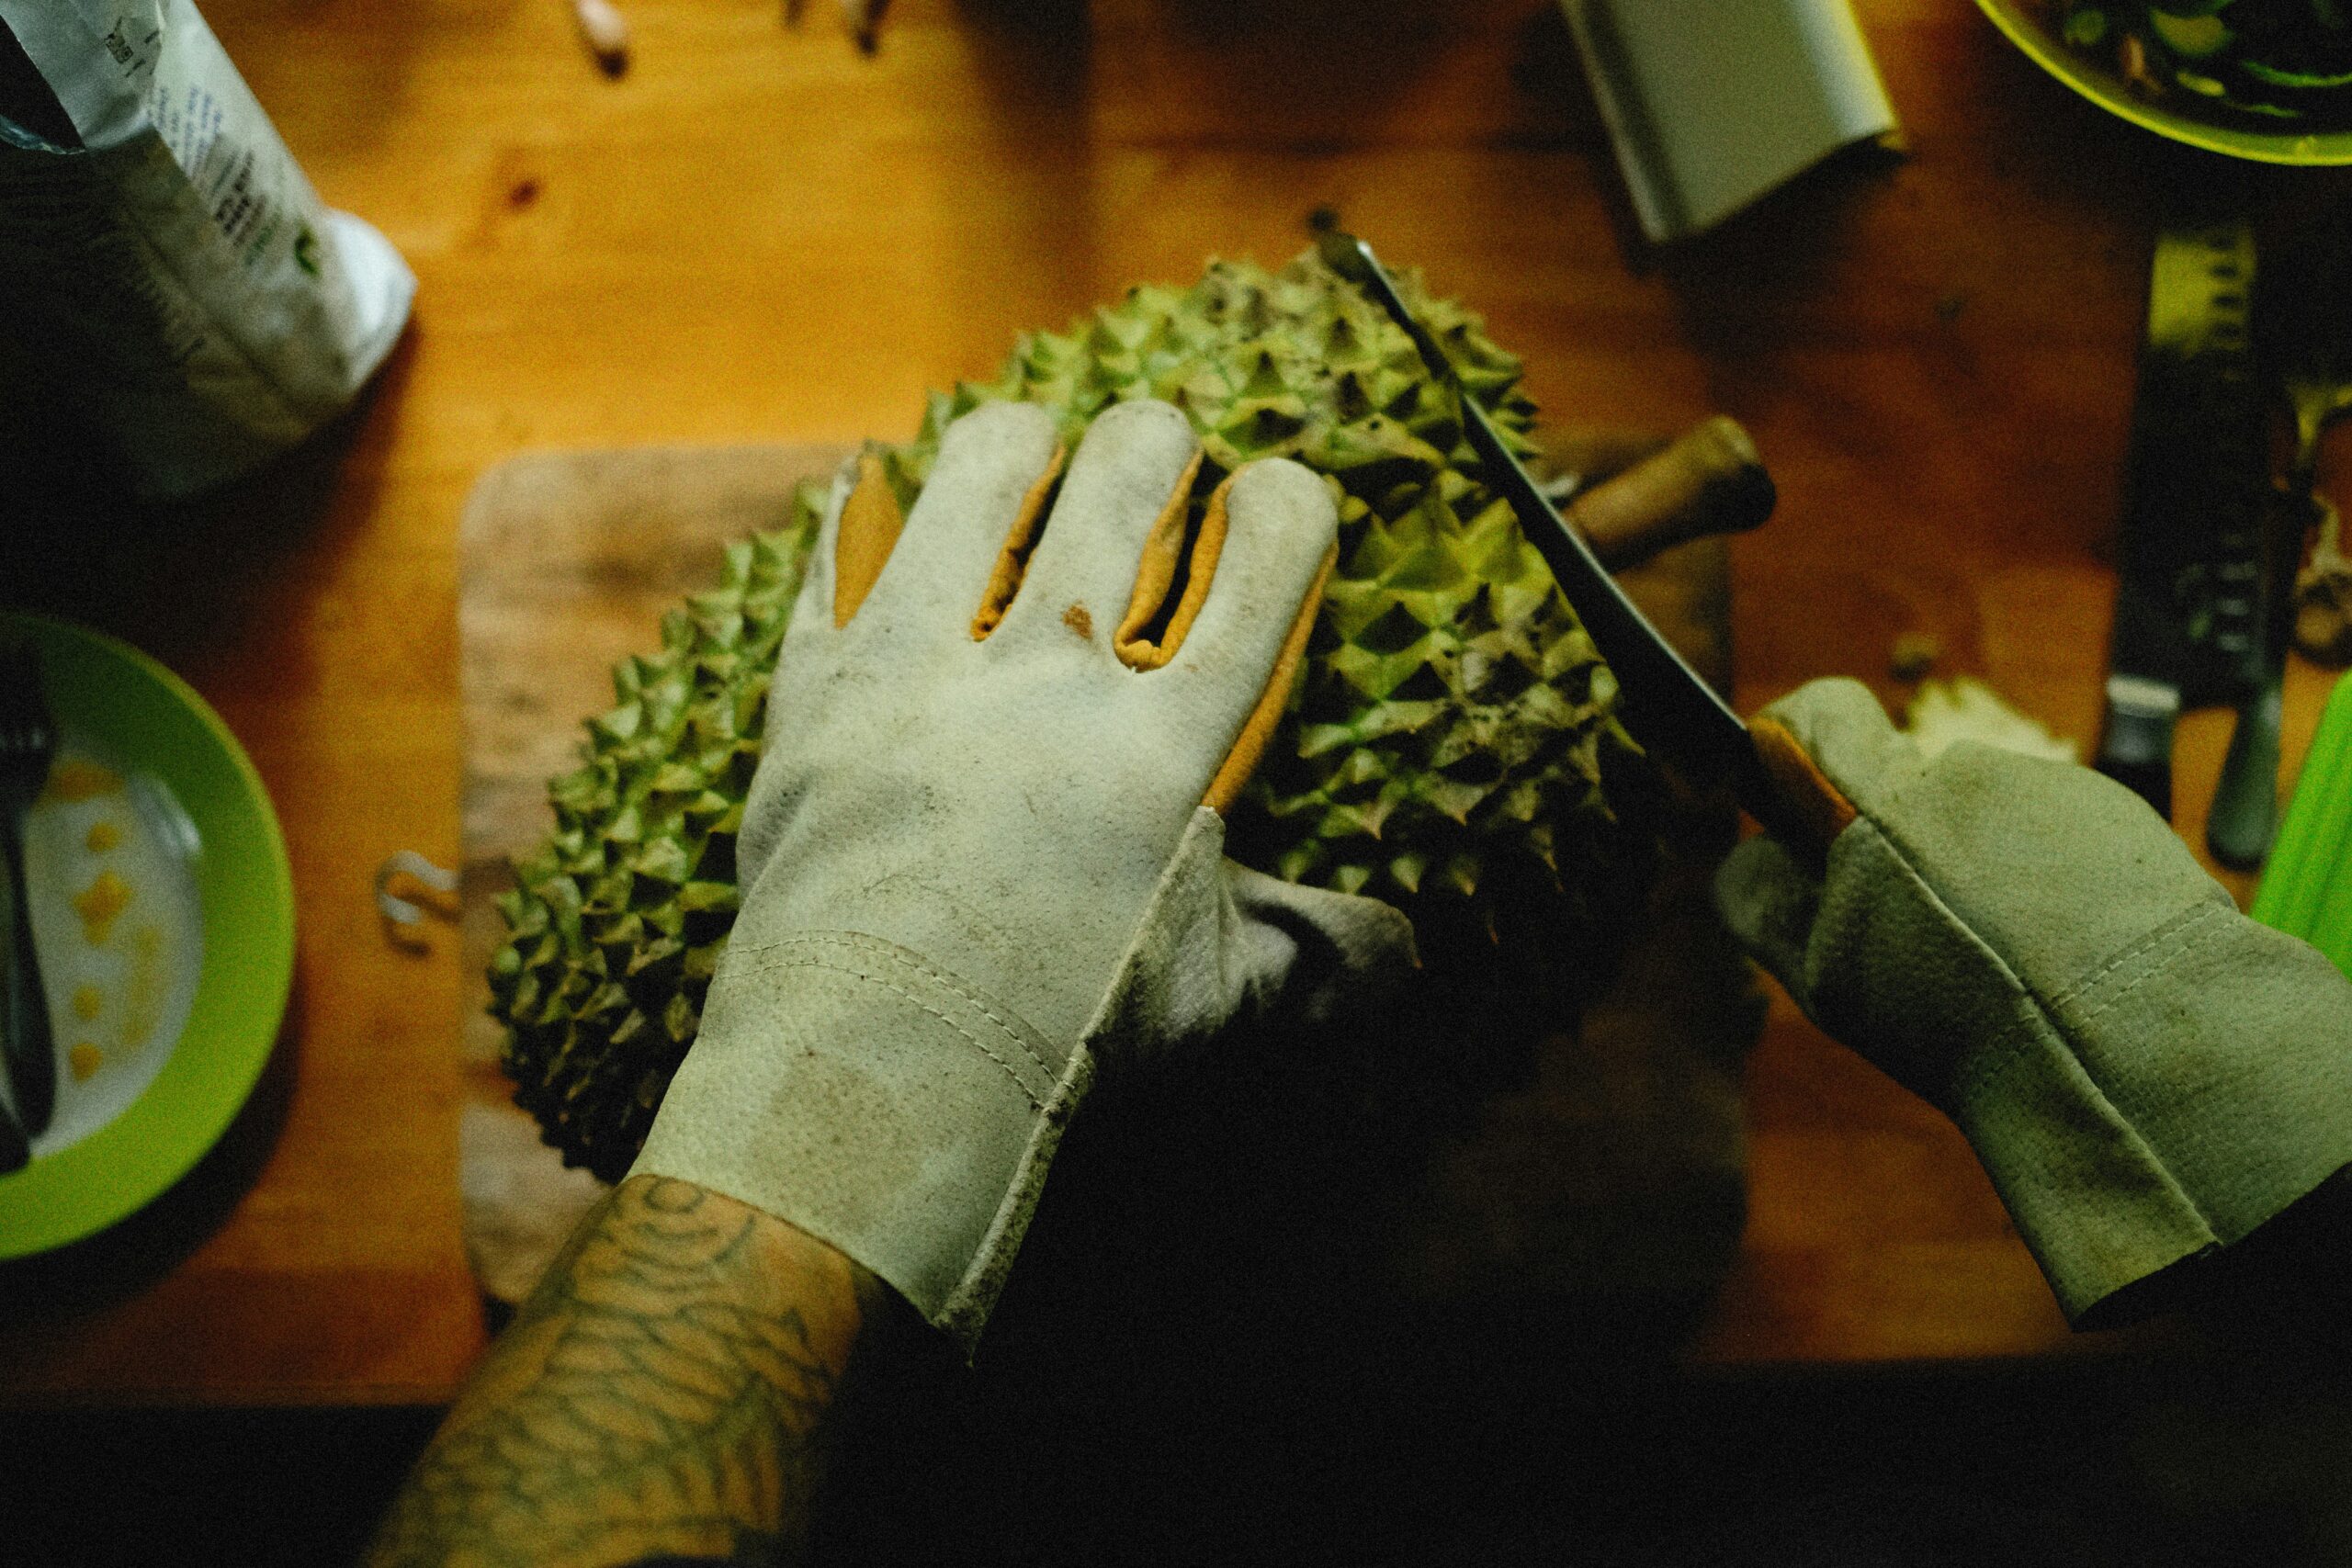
1713	103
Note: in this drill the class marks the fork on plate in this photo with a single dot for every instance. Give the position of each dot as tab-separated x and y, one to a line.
27	744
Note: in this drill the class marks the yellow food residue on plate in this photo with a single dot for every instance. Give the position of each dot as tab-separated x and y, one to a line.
85	1059
104	836
73	779
143	990
100	905
88	1002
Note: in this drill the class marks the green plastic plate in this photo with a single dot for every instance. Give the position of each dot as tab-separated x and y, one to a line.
2105	88
2307	885
140	712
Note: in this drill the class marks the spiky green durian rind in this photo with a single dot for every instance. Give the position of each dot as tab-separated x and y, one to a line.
1454	728
1451	745
616	922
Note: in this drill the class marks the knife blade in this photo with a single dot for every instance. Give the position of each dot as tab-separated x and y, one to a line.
2198	495
1665	703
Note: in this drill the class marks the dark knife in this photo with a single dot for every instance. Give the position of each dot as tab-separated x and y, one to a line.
16	1148
1664	702
27	742
2198	499
2303	341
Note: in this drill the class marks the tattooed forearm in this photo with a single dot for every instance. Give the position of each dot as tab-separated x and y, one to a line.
662	1392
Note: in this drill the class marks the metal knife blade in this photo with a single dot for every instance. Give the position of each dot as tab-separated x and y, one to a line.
1664	702
2197	497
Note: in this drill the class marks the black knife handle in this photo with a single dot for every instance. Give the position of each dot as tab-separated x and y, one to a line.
32	1053
2245	804
2135	745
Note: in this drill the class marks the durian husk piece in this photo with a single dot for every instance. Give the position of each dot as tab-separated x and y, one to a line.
1451	746
2324	597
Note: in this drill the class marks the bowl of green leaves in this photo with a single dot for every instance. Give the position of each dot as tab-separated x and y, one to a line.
2263	79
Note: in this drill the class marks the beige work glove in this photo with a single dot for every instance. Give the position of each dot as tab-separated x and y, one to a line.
983	858
2146	1075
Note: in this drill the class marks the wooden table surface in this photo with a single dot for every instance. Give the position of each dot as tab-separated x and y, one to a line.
761	234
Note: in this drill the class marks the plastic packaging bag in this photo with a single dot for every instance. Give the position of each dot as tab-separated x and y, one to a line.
172	279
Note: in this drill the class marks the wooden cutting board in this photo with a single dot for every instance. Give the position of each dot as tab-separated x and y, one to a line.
1608	1170
566	562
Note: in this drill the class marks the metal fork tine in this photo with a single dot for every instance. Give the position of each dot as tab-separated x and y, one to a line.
26	727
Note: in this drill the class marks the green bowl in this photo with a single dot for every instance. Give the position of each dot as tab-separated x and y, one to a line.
141	713
2104	87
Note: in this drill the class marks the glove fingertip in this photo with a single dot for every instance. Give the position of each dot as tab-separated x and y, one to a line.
1819	806
1845	736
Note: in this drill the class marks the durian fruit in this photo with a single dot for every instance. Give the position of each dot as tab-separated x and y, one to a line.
1451	746
615	923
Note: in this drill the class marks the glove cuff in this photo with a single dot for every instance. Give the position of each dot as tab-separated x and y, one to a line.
2166	1106
879	1103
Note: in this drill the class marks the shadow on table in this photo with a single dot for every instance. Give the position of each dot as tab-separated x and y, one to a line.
46	1294
200	584
211	588
1570	1459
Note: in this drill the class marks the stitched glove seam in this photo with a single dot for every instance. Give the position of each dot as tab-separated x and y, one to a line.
2074	990
2177	933
773	957
1977	1068
2173	1076
1975	1072
1972	1067
2156	949
1016	1028
2019	1033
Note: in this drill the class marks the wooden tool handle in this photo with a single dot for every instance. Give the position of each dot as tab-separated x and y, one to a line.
1708	480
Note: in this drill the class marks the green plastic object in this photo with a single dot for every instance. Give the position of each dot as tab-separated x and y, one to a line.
143	713
2307	889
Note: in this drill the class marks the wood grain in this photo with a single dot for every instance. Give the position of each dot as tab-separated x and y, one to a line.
760	235
567	563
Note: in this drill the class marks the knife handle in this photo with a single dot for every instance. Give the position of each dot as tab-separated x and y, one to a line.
2135	744
1706	481
2245	804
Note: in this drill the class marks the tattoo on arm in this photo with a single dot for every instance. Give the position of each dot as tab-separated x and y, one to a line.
663	1391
